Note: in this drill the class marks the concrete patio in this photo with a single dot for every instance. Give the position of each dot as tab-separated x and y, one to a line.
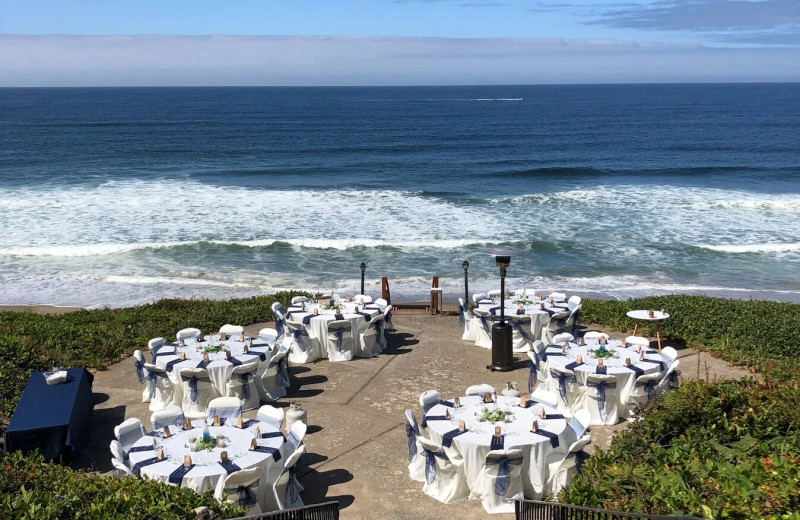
356	436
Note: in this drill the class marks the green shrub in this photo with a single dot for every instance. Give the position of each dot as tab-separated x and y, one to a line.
743	332
98	338
729	449
32	489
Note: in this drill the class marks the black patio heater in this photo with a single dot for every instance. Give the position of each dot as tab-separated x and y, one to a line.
465	265
502	352
363	268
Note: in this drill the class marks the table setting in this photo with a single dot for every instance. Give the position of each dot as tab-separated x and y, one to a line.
314	317
540	310
474	427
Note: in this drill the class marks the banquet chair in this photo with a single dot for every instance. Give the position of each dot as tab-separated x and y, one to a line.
571	324
297	433
228	409
271	415
559	339
580	422
643	391
554	326
187	333
269	334
155	345
482	329
170	416
128	432
416	463
573	302
369	341
278	306
381	303
595	335
339	341
120	469
558	296
362	299
669	352
561	467
494	293
197	392
478	297
481	389
521	335
231	329
302	348
117	453
444	481
537	369
564	383
299	300
499	483
636	340
387	318
280	323
139	362
242	488
602	398
671	378
242	385
159	389
285	491
272	385
465	317
542	395
428	399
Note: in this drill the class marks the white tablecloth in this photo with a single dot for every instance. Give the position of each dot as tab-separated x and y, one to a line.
317	326
219	369
207	473
539	317
474	445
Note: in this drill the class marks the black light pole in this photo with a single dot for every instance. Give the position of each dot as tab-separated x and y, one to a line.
465	265
363	268
502	353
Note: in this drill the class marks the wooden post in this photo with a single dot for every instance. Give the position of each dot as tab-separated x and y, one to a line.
385	289
435	296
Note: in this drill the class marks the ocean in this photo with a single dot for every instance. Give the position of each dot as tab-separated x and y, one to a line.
121	196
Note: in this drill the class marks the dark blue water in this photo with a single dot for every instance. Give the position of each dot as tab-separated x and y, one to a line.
121	195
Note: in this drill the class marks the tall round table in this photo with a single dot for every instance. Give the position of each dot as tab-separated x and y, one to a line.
644	315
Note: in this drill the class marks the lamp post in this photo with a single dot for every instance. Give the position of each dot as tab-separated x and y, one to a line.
502	353
363	268
465	265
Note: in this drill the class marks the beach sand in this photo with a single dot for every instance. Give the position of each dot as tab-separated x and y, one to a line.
39	309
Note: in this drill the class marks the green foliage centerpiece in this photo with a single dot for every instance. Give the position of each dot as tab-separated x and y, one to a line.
602	353
494	415
212	350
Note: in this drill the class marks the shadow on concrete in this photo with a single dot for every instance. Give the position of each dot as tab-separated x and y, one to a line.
96	455
311	392
316	485
313	429
311	380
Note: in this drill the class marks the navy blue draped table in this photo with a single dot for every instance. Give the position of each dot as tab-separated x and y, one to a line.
53	418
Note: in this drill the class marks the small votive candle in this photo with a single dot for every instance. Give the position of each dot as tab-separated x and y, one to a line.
447	413
523	402
206	358
542	413
579	359
457	402
240	423
462	426
160	454
498	431
216	420
535	426
166	432
187	460
627	362
253	444
182	355
600	362
222	336
223	456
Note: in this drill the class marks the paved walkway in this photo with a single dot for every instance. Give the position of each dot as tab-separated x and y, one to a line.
356	436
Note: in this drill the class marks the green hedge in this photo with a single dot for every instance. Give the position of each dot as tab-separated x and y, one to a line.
730	449
98	338
752	333
33	489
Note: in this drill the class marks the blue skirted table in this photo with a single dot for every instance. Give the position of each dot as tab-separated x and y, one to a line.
53	418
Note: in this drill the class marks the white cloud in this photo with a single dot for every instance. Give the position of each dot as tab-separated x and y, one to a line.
337	60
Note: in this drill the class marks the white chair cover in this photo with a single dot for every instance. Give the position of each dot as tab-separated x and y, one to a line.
478	297
671	378
299	299
537	369
465	317
558	296
231	329
602	398
117	453
128	432
187	333
595	335
286	490
120	469
482	326
387	319
564	383
562	467
158	388
381	303
669	352
428	399
155	345
242	385
340	344
571	324
297	433
243	488
416	463
643	391
521	336
500	481
170	416
269	334
637	340
271	415
197	392
228	409
558	339
554	326
139	361
545	396
280	324
362	299
494	293
580	422
273	385
444	481
370	340
573	302
481	389
302	347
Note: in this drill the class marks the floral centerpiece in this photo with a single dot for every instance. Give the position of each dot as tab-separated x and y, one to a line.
212	350
603	353
523	302
494	415
207	445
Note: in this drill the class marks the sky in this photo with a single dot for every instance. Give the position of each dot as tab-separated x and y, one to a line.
395	42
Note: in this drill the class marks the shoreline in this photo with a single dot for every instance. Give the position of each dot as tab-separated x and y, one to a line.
40	308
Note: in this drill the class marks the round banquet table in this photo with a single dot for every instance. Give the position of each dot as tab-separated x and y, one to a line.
625	377
219	368
207	473
474	445
539	317
317	325
644	315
